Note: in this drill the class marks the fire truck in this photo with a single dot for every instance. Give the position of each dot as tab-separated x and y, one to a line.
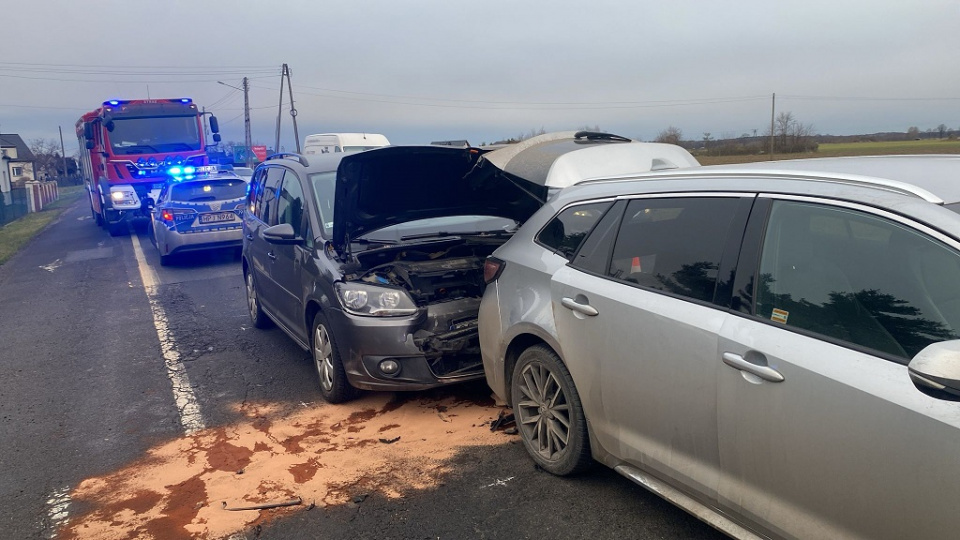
128	148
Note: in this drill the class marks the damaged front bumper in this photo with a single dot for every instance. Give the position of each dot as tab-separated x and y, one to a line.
437	346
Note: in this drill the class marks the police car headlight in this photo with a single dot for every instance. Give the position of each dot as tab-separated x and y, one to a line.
371	300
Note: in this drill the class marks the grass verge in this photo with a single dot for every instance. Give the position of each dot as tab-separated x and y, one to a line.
15	234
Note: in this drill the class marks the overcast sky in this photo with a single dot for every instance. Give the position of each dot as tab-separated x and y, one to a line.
419	71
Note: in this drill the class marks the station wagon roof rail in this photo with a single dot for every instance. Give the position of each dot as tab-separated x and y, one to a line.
289	155
895	186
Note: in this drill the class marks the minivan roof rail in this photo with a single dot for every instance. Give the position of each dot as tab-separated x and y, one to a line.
289	155
895	186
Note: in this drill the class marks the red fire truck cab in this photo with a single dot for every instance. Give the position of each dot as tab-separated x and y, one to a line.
128	148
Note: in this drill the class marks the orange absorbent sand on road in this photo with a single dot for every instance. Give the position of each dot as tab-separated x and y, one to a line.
322	455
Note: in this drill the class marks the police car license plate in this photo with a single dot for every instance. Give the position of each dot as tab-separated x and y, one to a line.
217	217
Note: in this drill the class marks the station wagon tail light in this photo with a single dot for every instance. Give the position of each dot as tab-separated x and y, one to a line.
492	268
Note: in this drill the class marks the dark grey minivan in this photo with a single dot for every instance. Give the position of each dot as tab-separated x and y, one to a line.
374	261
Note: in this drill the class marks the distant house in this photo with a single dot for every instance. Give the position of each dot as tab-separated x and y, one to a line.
16	161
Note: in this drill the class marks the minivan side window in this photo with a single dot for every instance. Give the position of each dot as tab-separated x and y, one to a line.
290	203
566	230
673	244
256	191
268	202
858	278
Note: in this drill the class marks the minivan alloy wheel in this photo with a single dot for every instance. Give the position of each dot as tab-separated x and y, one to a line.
334	386
323	357
257	316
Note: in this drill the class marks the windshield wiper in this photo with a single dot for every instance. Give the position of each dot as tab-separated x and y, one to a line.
373	241
444	234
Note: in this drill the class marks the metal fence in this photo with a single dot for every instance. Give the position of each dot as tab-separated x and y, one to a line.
13	206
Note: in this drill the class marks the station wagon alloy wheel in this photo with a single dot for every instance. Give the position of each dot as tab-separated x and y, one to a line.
549	414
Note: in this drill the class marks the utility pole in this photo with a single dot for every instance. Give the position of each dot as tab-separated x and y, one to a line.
247	139
63	153
293	109
773	109
276	146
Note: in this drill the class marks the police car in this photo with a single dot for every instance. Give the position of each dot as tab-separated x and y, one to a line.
199	209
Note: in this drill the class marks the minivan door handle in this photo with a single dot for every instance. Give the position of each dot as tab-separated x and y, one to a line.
272	255
249	236
586	309
766	373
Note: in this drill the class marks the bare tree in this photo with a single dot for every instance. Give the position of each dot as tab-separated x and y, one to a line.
48	159
913	132
792	136
942	129
671	135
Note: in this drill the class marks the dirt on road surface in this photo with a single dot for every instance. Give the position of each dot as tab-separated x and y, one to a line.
319	455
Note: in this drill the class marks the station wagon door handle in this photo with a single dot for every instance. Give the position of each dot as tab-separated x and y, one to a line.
766	373
586	309
272	255
249	236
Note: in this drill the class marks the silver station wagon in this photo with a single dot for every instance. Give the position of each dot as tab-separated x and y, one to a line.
774	348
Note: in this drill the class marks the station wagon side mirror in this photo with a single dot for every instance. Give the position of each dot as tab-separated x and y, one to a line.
282	234
936	370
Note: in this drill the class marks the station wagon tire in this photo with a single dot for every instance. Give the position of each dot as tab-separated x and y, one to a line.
548	412
334	386
257	316
165	260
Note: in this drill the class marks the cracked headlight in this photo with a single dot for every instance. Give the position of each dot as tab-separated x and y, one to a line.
371	300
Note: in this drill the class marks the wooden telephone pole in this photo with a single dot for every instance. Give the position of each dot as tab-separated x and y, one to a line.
293	110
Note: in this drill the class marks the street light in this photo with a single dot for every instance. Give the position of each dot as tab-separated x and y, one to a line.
248	140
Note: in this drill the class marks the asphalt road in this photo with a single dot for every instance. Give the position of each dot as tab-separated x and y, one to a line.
108	361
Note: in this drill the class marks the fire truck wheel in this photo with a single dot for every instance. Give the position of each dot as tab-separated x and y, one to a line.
117	229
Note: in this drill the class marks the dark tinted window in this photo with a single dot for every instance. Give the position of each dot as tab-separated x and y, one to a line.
268	201
858	278
256	191
566	230
209	190
673	245
290	202
594	254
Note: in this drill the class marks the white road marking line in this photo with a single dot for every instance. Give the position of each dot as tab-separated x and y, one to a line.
190	417
57	514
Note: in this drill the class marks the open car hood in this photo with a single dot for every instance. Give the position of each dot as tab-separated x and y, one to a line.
387	186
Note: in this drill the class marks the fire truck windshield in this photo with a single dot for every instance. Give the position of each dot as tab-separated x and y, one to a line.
153	135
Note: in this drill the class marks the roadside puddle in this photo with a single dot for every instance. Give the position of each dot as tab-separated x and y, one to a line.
322	455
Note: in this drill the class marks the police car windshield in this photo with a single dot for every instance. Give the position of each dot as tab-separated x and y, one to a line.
209	190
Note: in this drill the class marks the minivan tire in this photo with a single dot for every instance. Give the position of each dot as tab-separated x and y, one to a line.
542	391
334	386
257	315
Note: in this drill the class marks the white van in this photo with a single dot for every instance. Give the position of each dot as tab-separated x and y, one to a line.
329	143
